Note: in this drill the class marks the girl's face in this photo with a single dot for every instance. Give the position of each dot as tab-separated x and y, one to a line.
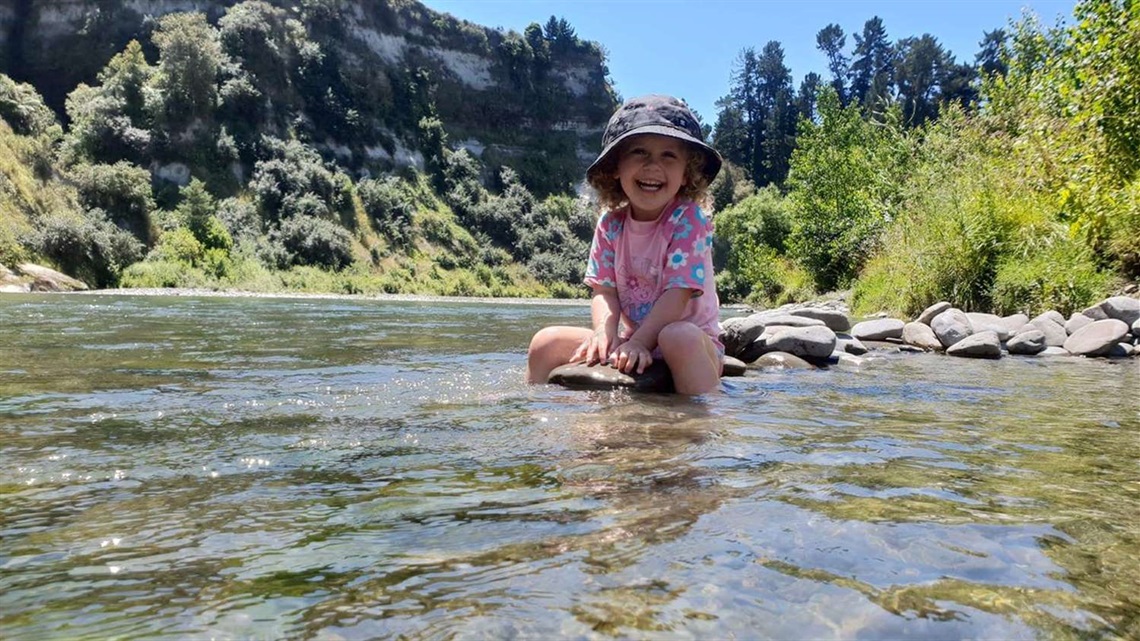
651	170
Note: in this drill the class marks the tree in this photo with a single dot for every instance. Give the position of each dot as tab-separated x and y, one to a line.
189	61
872	68
992	55
920	70
757	119
831	41
806	96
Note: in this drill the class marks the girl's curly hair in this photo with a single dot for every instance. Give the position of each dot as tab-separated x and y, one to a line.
611	196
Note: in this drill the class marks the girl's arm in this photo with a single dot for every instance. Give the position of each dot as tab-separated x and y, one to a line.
605	312
637	352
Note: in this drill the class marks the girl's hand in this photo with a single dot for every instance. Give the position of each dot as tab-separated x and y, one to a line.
631	355
594	349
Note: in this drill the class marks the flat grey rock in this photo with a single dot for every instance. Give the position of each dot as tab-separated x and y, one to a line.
787	320
850	344
655	378
1053	350
1097	338
989	323
49	280
879	329
1054	329
1075	322
780	360
929	313
805	342
834	320
920	335
1014	322
1095	313
984	344
951	326
1027	343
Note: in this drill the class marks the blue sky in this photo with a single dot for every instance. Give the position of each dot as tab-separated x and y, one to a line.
687	48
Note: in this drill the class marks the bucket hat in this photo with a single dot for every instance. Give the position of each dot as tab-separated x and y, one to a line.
655	114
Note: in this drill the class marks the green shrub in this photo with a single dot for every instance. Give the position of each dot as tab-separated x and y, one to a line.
1062	276
162	273
179	245
312	241
91	248
390	207
122	191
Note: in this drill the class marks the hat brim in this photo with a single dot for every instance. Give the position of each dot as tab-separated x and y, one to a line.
713	160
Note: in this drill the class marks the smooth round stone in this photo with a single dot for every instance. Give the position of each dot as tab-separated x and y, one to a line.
985	344
951	326
780	360
1097	338
1027	343
920	335
1054	329
989	323
787	320
850	344
1075	322
805	342
733	367
929	313
655	378
1051	315
1053	350
1095	312
836	321
1122	308
1014	322
879	329
737	333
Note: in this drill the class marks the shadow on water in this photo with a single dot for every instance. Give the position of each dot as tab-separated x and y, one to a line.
360	469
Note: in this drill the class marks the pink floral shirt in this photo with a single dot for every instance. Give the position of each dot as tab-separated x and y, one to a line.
642	259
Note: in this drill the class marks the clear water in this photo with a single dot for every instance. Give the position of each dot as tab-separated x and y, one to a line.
351	469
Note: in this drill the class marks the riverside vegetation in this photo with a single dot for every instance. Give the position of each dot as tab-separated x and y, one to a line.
201	157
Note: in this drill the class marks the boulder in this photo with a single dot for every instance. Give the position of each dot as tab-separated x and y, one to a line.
1029	342
920	335
1095	313
1121	350
951	326
1053	350
49	280
805	342
1097	338
929	313
879	329
737	333
850	344
787	320
1122	308
780	360
1075	322
1052	324
989	323
754	350
1014	322
984	344
834	320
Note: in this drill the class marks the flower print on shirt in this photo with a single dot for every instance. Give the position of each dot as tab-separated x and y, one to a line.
678	258
689	247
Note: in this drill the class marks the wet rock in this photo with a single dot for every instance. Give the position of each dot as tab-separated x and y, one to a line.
834	320
951	326
980	322
1028	343
1097	338
1075	322
1136	329
655	378
1121	350
49	280
1052	324
850	344
1053	350
984	344
877	330
780	360
920	335
754	350
929	313
733	367
805	342
846	360
737	333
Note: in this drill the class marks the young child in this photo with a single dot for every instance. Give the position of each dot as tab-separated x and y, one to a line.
651	261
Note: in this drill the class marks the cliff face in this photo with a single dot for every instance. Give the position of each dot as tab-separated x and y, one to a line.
535	103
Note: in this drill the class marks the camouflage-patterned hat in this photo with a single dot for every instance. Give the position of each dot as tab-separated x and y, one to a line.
664	115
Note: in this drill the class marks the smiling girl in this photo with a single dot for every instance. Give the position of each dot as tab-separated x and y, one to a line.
650	264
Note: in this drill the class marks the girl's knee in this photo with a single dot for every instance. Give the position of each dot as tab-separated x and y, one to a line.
680	335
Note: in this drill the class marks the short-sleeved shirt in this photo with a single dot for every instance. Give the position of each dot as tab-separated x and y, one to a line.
642	259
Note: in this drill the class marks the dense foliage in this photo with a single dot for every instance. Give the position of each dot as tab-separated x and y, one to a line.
248	150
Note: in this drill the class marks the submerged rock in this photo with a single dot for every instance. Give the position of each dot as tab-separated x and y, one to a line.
655	378
780	360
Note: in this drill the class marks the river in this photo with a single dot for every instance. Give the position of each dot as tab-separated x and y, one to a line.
336	468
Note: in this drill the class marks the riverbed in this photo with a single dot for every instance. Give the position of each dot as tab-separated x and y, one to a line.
351	468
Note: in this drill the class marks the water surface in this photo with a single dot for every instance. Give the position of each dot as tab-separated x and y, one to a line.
181	467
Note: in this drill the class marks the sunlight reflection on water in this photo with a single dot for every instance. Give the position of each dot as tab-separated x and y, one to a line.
358	469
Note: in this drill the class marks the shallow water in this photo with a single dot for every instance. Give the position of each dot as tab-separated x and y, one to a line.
179	467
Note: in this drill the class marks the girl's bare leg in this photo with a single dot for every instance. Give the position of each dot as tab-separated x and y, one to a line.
551	347
692	357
